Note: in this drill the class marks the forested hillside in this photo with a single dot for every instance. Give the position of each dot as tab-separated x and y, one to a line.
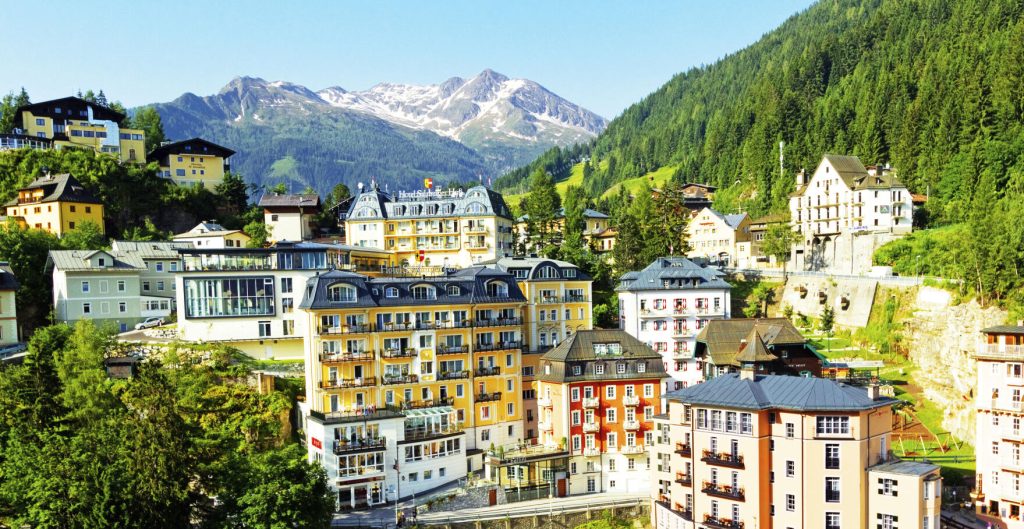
931	86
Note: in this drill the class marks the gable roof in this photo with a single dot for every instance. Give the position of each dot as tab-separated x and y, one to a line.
190	146
753	350
724	339
586	349
674	271
781	392
67	105
290	201
151	249
79	261
59	188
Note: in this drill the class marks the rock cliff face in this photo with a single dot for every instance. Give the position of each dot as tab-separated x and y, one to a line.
942	338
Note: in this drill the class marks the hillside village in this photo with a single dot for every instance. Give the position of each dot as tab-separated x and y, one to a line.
436	343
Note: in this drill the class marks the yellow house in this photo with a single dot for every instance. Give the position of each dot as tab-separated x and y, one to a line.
194	161
55	203
75	122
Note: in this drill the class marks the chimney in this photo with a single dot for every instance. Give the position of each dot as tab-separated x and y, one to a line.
747	371
872	390
801	177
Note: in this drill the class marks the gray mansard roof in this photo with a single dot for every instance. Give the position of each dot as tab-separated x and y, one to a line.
371	292
475	201
790	393
151	249
534	264
672	273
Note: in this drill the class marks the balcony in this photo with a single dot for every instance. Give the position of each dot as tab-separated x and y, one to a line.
546	426
488	397
497	346
400	379
722	459
720	490
357	356
346	329
653	313
633	449
343	446
631	425
452	349
591	452
722	523
422	433
343	383
591	427
476	229
453	375
684	479
591	402
451	324
490	371
574	298
997	351
682	354
684	449
545	402
398	353
682	333
498	322
546	300
396	327
477	246
428	403
631	400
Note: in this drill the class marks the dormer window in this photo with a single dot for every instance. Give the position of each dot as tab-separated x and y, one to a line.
570	272
454	290
424	292
577	371
391	292
497	289
341	293
102	261
547	272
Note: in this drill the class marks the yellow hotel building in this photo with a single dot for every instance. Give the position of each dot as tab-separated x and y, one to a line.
55	203
409	378
75	122
190	162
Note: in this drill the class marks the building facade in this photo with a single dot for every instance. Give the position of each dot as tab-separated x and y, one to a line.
191	162
449	228
998	493
102	286
290	217
598	392
844	211
55	203
8	307
430	363
780	348
157	284
72	122
715	236
210	235
595	223
763	451
666	304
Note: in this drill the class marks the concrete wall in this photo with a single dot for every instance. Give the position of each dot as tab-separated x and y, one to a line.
845	253
804	295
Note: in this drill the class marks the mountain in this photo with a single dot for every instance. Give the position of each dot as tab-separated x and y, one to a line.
459	130
931	86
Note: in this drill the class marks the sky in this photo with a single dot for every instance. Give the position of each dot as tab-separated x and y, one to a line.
601	55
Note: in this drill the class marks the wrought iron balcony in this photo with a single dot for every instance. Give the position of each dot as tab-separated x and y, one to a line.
428	403
488	397
453	375
722	523
346	329
357	356
498	322
342	383
722	491
487	371
342	446
684	479
452	349
398	353
497	346
684	449
400	379
722	459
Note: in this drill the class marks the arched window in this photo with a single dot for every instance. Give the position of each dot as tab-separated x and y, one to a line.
391	292
547	272
424	292
366	212
341	293
497	289
476	207
454	290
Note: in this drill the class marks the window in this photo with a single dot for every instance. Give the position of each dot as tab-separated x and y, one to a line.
832	520
833	425
264	327
886	521
648	391
391	292
790	430
423	292
577	370
609	392
286	285
790	502
599	369
790	469
85	286
887	487
159	285
121	287
575	417
207	298
453	290
122	307
832	456
832	490
341	293
995	448
574	394
620	368
145	285
610	415
86	308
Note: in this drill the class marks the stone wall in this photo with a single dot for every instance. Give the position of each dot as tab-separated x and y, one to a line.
942	338
847	253
850	298
466	499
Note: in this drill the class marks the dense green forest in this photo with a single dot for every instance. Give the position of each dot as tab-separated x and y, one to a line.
931	86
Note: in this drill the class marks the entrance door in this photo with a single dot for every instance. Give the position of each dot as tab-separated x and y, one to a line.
561	488
492	497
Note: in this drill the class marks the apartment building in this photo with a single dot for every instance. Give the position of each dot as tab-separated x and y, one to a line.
715	236
72	122
778	346
247	296
998	493
290	217
595	223
666	304
427	368
162	261
844	211
760	451
55	203
191	162
598	391
751	254
559	303
448	228
8	307
102	286
210	235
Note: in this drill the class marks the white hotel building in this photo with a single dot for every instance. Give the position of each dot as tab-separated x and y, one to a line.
666	304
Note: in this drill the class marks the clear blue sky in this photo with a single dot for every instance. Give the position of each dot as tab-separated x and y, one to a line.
602	55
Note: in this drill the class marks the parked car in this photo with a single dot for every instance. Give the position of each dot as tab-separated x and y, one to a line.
150	322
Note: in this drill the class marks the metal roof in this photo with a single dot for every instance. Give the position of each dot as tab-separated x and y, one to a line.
1004	329
909	468
292	201
533	264
587	214
60	187
780	392
79	261
752	349
725	338
184	147
374	204
151	249
582	347
672	273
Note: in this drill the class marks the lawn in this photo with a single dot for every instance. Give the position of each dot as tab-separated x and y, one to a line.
654	179
575	179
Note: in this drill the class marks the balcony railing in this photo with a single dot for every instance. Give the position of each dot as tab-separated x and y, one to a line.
428	403
1001	351
631	425
400	379
416	434
358	414
631	400
394	326
591	402
591	452
497	346
574	298
684	479
546	426
357	356
683	449
633	449
453	375
398	353
722	523
546	300
488	397
342	446
722	491
452	349
723	459
498	322
346	329
591	427
544	402
342	383
488	371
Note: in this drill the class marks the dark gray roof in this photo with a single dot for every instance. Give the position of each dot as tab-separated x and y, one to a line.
290	201
372	292
580	348
725	338
1004	329
855	175
476	201
780	392
732	220
587	214
753	350
671	273
151	249
60	187
909	468
534	265
7	279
